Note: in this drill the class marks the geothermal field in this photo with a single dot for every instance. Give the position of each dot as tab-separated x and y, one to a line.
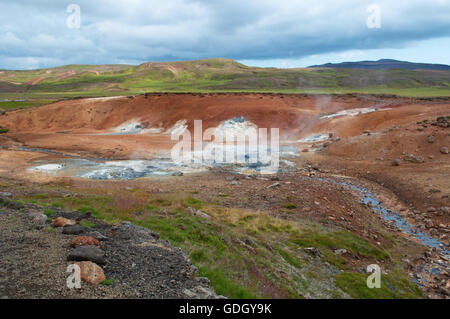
360	180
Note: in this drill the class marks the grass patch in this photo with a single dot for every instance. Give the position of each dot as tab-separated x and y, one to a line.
192	202
355	285
290	206
327	242
86	209
107	282
290	259
224	286
88	224
49	212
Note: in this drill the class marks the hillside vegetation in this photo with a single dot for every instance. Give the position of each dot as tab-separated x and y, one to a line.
35	87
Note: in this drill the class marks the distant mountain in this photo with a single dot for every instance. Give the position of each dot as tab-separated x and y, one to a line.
384	64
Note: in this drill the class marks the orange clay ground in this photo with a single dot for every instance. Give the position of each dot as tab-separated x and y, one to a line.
362	147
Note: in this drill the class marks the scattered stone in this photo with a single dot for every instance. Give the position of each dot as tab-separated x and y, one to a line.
430	139
200	292
38	220
178	174
6	194
97	235
84	241
274	185
91	273
74	229
340	252
194	212
235	183
413	159
395	162
88	253
444	150
313	251
61	222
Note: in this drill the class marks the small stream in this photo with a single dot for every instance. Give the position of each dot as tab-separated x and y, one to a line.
388	215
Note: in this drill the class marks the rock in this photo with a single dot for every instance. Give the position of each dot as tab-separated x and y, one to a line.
91	273
395	162
84	241
326	144
38	220
97	235
444	150
431	210
340	251
413	159
193	212
74	229
203	280
177	174
61	222
313	251
430	139
274	185
235	183
88	253
200	292
6	194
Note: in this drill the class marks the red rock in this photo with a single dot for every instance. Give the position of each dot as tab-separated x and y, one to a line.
91	273
84	241
61	222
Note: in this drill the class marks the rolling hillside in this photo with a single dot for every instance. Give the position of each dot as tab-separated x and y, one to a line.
35	87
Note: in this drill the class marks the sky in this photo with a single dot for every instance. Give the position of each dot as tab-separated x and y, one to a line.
267	33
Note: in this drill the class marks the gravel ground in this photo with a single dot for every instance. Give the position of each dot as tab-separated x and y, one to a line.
34	262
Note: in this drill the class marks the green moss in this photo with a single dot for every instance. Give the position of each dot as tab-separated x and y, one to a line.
107	282
328	241
193	202
356	286
290	206
290	259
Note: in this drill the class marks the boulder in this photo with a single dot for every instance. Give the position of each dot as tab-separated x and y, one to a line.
61	222
84	241
74	229
444	150
91	273
88	253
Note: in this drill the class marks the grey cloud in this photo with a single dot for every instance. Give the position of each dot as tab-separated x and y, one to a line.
34	33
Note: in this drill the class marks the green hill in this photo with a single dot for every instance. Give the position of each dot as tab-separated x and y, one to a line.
210	75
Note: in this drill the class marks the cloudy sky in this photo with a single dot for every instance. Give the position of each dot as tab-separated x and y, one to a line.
272	33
